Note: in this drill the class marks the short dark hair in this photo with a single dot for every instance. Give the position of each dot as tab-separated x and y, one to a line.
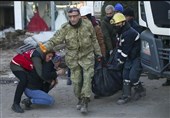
74	9
129	12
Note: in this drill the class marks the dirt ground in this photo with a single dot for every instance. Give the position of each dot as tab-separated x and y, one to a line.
156	104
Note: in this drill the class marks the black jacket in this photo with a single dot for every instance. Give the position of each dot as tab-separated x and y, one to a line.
128	43
109	34
38	58
48	72
135	25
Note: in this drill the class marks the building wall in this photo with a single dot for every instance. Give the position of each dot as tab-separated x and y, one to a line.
21	20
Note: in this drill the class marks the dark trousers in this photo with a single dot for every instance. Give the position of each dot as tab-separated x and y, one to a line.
22	76
132	70
69	73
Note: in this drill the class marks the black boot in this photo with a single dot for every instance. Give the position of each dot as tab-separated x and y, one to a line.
84	107
140	91
126	97
79	104
167	83
69	82
17	108
27	103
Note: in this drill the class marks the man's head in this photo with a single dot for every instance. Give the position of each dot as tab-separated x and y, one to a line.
85	12
129	13
109	10
118	20
57	60
74	15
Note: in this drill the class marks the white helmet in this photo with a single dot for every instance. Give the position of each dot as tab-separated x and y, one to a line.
84	10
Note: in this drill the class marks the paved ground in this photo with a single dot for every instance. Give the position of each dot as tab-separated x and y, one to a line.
155	105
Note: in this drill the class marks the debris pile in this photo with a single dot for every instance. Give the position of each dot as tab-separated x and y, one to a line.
11	38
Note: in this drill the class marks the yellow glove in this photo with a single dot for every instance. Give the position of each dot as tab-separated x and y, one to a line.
42	47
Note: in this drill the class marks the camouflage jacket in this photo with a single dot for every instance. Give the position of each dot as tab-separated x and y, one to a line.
81	44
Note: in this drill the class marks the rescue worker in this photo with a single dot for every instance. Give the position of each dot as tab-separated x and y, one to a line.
128	58
81	49
108	31
129	14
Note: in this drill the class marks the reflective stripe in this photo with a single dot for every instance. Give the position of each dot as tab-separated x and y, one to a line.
123	54
122	40
120	61
127	80
137	37
136	83
15	63
31	65
119	50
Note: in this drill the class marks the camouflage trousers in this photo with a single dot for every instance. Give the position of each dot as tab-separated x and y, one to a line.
81	79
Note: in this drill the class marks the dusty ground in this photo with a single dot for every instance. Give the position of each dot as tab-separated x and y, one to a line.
155	105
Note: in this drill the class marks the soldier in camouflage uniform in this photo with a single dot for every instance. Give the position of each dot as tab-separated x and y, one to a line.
81	48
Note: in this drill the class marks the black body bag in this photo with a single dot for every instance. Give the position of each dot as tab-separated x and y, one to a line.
107	81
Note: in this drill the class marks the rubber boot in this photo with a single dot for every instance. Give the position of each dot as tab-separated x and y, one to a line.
84	107
140	91
79	104
126	97
27	103
17	108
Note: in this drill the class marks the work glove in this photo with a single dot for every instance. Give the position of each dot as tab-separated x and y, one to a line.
42	47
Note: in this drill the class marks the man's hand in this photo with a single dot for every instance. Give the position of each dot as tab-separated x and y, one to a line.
99	58
42	47
60	71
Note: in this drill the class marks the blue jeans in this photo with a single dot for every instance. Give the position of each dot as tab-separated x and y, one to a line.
39	97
